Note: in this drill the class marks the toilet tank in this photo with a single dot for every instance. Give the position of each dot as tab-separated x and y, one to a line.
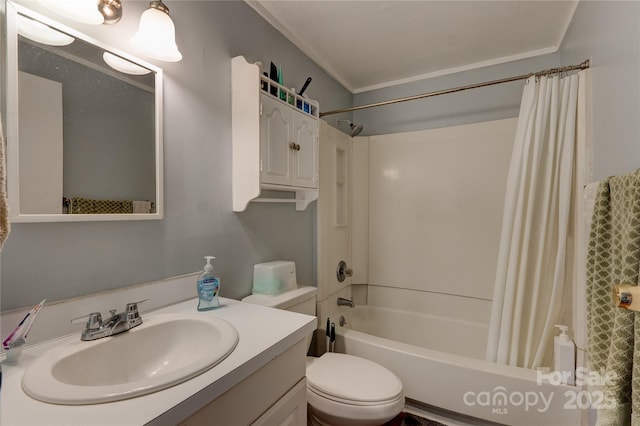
301	300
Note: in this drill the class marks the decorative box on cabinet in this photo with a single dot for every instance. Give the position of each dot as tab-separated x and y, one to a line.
275	139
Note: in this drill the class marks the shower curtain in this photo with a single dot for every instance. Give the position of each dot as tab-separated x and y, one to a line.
533	255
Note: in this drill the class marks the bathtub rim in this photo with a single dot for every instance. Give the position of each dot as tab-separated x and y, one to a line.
444	357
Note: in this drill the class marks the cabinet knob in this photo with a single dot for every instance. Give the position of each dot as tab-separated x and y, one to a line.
297	147
292	146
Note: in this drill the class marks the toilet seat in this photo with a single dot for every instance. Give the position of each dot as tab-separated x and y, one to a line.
349	390
352	380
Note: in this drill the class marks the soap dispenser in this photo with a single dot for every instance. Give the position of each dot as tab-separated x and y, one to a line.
208	287
564	356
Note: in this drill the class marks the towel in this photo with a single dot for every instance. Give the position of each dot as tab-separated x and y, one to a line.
5	225
141	206
89	206
613	257
113	207
80	205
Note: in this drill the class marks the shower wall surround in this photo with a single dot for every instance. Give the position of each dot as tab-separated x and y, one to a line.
435	214
63	260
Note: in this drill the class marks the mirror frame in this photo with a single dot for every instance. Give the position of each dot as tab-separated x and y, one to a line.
11	127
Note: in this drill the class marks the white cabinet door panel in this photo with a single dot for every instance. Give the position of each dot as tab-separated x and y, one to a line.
276	133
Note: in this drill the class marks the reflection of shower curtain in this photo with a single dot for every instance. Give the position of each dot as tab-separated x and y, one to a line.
533	252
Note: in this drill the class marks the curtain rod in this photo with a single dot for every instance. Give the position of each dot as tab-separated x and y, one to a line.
582	66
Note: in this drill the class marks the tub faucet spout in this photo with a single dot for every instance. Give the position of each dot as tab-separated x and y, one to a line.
345	302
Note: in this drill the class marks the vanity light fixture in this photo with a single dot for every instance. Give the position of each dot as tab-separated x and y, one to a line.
85	11
122	65
41	33
156	36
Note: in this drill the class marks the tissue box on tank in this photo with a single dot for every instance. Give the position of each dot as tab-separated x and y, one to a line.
274	277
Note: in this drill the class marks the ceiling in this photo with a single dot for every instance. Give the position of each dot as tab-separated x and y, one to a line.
367	45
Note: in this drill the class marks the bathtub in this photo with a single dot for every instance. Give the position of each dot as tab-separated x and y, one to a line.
451	374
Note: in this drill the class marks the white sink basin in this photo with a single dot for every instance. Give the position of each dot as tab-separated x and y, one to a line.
162	352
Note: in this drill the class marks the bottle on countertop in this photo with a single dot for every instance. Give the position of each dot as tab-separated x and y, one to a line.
208	287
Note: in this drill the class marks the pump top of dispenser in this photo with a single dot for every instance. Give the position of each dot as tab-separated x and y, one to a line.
208	267
563	332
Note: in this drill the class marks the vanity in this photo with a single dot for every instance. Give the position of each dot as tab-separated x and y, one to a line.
262	381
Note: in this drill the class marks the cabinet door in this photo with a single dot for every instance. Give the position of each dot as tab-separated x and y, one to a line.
290	410
276	135
305	161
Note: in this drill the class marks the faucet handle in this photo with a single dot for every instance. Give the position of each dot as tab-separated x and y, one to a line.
133	306
94	321
132	309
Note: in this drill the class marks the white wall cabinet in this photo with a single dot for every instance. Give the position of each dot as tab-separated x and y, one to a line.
288	145
275	140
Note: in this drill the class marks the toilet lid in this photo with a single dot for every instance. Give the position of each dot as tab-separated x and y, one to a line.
351	378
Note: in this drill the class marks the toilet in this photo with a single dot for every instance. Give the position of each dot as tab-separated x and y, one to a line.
341	389
348	390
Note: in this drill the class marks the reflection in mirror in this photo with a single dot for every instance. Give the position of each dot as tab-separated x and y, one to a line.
38	32
87	138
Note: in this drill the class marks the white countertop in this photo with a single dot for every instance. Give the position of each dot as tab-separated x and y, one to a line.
264	334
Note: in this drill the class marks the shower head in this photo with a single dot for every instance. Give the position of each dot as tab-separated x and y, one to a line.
356	129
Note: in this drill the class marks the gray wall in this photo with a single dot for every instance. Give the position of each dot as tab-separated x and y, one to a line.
61	260
607	32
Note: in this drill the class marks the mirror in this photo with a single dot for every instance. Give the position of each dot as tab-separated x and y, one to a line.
84	126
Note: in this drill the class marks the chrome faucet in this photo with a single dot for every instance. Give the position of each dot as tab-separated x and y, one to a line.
116	324
345	302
